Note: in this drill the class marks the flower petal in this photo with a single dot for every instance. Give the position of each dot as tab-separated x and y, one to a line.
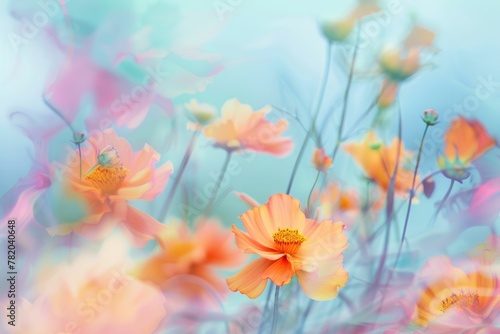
322	286
280	272
249	245
250	280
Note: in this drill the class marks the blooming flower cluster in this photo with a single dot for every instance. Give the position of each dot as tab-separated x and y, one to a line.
232	168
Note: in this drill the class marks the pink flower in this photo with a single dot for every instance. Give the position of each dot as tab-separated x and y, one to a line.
241	128
114	174
93	294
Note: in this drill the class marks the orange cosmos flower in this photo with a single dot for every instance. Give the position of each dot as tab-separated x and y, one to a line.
289	244
465	141
114	174
186	253
240	128
379	160
320	160
454	300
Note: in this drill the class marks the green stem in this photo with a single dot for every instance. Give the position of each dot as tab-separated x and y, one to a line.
266	307
211	201
448	192
412	192
80	155
304	317
177	180
311	191
275	312
346	99
390	205
315	116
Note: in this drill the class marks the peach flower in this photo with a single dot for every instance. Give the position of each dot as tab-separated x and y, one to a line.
290	244
454	300
465	141
241	128
197	253
114	174
379	160
91	295
335	202
320	160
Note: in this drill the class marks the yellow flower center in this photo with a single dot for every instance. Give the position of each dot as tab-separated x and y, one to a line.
108	180
288	240
461	300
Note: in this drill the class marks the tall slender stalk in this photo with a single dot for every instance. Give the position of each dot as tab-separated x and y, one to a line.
390	204
315	116
276	307
304	317
266	307
311	191
223	171
412	193
182	168
346	99
448	192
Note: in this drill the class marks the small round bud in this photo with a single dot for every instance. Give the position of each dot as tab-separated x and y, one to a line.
430	117
202	112
337	31
108	157
78	137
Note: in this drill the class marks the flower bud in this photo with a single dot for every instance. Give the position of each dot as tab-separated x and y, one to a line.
202	112
337	31
108	157
430	117
78	137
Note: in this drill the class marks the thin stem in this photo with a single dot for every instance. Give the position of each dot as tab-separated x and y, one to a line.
58	113
448	192
304	317
177	180
222	174
315	116
412	193
312	189
266	307
80	155
390	205
275	312
346	99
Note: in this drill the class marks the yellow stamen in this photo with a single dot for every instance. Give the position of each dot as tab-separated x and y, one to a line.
461	300
108	180
288	240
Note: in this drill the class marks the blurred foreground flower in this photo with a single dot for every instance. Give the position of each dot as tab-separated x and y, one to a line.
92	295
289	244
465	141
186	253
114	175
379	160
452	300
241	128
